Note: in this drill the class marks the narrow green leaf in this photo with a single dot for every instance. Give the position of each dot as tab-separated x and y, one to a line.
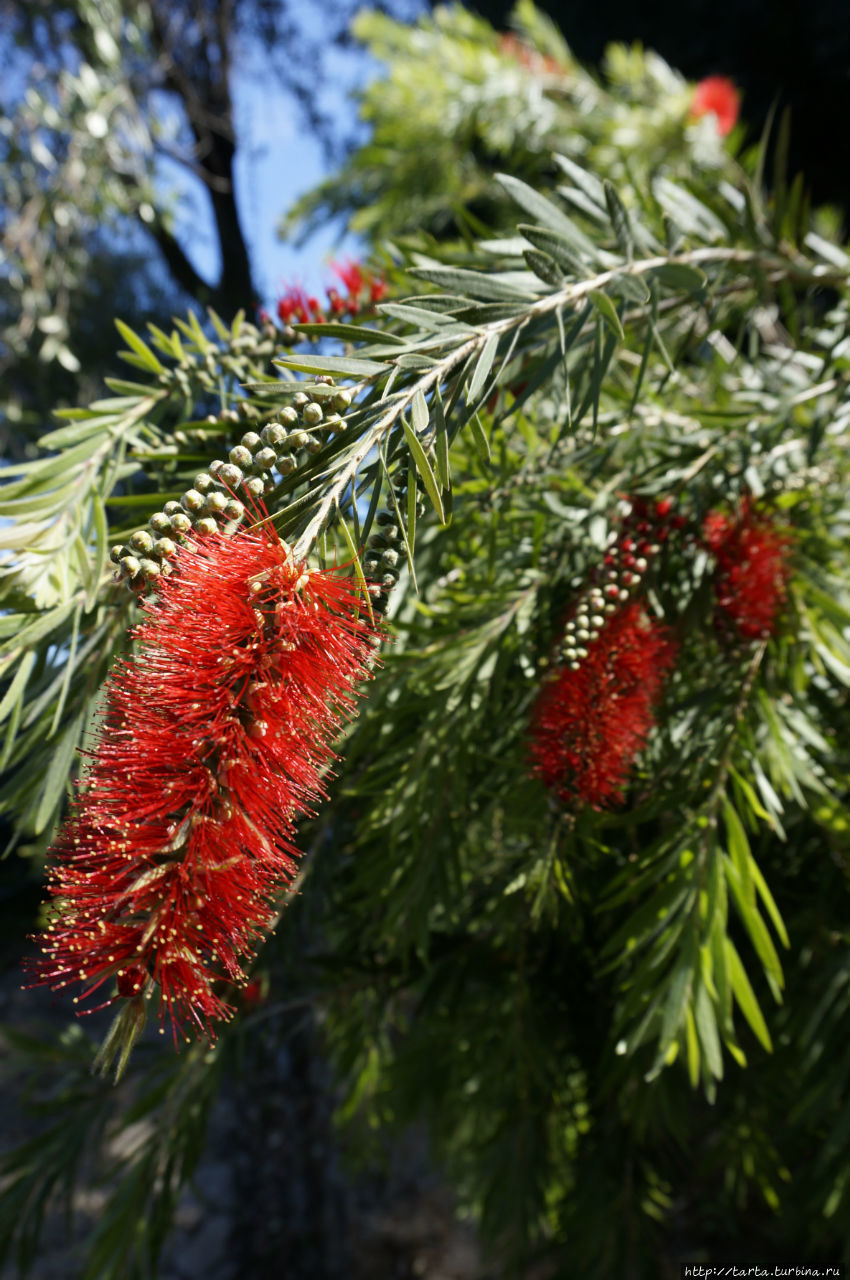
101	533
441	442
739	848
557	246
745	996
544	267
14	693
584	180
769	903
541	209
411	512
479	438
423	466
340	366
358	567
619	220
349	333
680	277
692	1048
706	1025
140	347
69	672
482	368
56	779
607	311
678	995
419	412
475	284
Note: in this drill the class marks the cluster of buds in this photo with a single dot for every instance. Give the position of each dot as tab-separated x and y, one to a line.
362	290
643	530
212	505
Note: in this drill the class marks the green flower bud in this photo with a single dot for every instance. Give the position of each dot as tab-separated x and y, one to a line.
256	485
240	456
159	522
251	440
385	517
300	399
230	475
130	566
149	569
265	458
192	501
216	502
141	541
312	414
164	548
234	509
335	423
342	400
286	465
118	553
205	525
313	446
299	439
289	416
203	482
390	558
215	466
171	508
274	434
180	522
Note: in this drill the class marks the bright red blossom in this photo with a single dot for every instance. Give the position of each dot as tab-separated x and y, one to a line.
717	96
592	718
215	740
751	581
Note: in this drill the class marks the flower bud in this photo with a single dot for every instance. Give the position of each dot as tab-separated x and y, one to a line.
234	509
256	486
141	541
215	466
180	522
288	417
335	423
164	548
192	501
342	400
118	552
299	400
171	508
390	558
216	502
230	475
286	465
130	566
251	440
274	434
203	482
149	569
313	446
265	458
240	456
299	439
312	414
205	525
159	522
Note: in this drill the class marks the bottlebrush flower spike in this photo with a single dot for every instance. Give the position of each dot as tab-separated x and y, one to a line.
751	581
593	716
717	96
216	736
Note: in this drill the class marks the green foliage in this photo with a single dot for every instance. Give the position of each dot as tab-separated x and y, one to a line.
637	1014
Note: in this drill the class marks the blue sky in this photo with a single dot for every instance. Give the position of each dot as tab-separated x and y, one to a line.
277	160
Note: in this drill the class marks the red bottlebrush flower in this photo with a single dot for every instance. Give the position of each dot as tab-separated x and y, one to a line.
717	96
216	736
377	289
351	275
751	582
296	307
594	716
